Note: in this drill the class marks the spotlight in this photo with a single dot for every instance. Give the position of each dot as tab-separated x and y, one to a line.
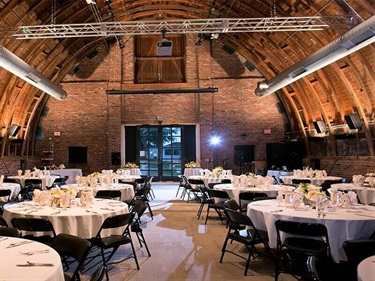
215	140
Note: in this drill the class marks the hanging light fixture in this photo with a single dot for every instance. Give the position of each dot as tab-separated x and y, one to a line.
20	68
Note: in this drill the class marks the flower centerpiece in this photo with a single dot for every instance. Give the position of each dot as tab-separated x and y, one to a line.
192	164
370	179
62	197
309	192
217	171
130	165
93	178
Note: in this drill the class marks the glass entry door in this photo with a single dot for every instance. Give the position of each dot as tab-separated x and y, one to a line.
160	152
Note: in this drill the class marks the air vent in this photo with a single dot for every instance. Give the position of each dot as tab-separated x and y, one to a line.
33	77
362	37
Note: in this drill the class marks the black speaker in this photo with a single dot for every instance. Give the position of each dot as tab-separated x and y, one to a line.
320	126
228	49
353	121
116	158
243	154
13	130
249	65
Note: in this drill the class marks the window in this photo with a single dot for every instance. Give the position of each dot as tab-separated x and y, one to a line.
151	68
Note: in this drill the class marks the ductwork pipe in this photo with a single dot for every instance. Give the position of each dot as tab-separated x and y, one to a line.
355	39
20	68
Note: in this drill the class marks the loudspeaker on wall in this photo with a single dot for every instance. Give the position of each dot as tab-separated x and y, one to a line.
320	126
13	130
353	121
116	158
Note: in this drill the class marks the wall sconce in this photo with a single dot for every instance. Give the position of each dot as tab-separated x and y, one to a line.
159	119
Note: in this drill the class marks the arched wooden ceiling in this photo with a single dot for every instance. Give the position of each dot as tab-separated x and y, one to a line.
342	88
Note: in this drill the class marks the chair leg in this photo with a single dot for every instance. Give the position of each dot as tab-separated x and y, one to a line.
149	209
141	239
224	249
135	256
208	212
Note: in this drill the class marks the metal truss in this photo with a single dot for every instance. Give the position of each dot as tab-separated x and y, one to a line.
184	26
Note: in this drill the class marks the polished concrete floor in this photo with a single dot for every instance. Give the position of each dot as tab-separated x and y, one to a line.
184	248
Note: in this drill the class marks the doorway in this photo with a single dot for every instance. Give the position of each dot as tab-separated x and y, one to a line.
161	151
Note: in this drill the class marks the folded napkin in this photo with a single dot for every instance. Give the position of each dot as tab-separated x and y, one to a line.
320	200
1	179
36	195
296	199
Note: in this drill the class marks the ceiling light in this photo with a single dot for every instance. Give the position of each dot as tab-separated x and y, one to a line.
20	68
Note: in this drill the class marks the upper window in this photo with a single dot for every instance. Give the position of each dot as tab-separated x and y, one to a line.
151	68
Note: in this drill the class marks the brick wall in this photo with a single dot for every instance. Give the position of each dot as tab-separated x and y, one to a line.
90	118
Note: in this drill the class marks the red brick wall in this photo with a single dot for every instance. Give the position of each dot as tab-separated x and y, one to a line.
88	117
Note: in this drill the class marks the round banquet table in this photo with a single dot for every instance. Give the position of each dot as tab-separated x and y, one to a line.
342	224
366	194
314	180
127	190
128	178
12	259
234	192
76	220
192	172
14	190
366	269
46	180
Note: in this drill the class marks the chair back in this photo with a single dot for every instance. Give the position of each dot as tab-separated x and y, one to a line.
301	228
110	194
356	251
298	181
10	232
72	246
237	219
232	204
250	196
117	221
3	222
5	193
219	194
33	225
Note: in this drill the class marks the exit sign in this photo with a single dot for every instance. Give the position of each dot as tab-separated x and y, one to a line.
56	134
267	131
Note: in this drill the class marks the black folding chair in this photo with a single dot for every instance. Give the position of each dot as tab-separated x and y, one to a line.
35	225
109	194
216	202
10	232
303	241
114	241
241	229
139	209
246	197
70	246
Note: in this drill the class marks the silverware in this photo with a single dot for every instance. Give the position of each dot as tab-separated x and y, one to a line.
28	264
89	211
276	211
35	252
12	245
56	213
3	238
108	209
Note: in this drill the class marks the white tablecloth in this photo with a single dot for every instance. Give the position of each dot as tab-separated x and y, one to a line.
314	181
11	257
192	172
128	178
341	224
366	194
127	190
366	269
46	180
277	174
14	189
80	221
234	192
71	173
